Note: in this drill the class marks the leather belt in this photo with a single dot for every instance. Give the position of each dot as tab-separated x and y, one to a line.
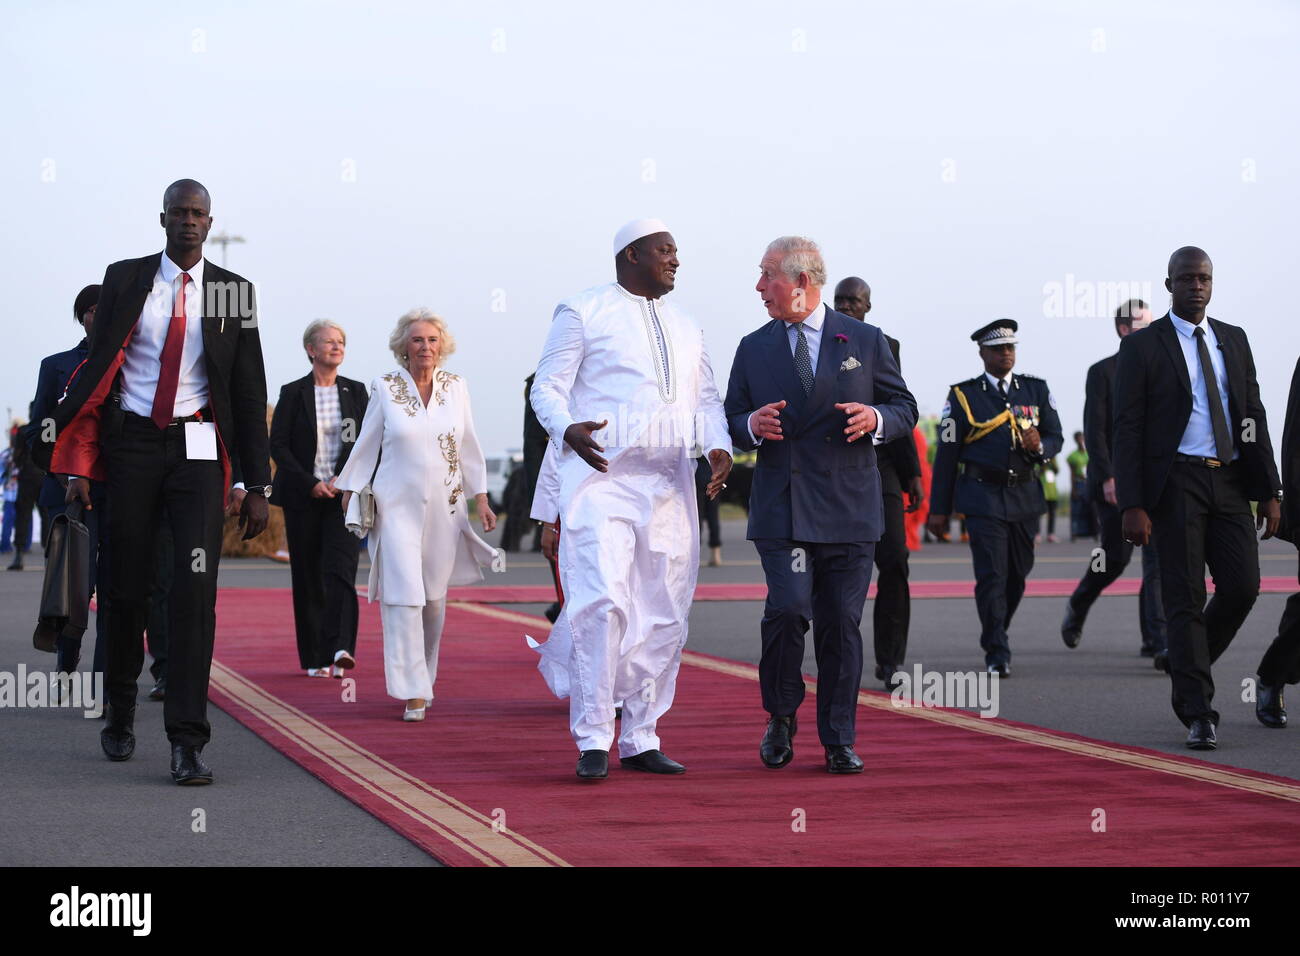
204	414
996	476
1198	460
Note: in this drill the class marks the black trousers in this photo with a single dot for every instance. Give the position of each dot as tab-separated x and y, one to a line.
1116	554
1281	662
323	556
1203	518
891	612
147	473
1002	552
827	584
160	599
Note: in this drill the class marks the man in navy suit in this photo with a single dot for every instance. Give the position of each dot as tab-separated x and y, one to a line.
813	391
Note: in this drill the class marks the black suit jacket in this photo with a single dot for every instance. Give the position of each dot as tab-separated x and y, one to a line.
232	354
1153	402
293	436
1290	527
900	453
1098	420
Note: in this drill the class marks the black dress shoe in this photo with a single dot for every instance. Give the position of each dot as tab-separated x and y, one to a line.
188	768
1002	670
159	691
1268	706
118	738
593	764
842	759
777	747
652	761
885	674
1200	734
1072	626
1161	661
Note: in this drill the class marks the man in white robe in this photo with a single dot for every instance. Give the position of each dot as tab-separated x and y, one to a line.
626	393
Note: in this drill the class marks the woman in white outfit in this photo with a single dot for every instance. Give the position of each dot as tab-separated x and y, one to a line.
419	431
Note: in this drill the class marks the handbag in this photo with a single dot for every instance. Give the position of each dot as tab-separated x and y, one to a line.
65	593
361	510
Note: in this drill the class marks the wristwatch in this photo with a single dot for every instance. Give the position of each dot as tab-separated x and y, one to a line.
263	490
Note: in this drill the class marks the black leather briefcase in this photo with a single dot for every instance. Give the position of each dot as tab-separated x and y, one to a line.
65	596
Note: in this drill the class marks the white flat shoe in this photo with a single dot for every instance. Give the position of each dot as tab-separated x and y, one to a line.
414	714
318	672
343	660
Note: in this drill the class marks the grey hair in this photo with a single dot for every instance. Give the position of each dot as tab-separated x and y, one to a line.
316	328
398	340
799	254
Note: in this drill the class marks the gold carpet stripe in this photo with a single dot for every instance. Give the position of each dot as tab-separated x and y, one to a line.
447	817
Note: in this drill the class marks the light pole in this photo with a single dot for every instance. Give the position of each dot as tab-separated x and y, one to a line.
224	239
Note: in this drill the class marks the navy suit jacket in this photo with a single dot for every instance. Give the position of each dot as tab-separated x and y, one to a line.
814	485
55	371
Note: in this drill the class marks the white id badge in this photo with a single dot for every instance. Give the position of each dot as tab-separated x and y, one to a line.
201	441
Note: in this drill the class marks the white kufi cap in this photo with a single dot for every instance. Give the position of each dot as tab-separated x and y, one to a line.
637	229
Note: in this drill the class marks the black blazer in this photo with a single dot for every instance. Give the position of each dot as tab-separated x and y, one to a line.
293	436
1098	420
232	355
900	453
1153	402
1290	527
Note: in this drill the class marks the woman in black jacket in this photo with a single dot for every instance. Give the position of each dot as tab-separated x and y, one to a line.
314	427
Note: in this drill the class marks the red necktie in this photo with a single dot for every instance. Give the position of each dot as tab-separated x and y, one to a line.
169	373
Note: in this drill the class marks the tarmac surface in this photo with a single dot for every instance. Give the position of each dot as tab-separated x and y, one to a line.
67	805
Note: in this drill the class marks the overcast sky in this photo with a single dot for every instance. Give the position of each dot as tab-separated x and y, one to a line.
962	157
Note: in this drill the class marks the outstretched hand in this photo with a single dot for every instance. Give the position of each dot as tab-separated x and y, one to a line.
578	436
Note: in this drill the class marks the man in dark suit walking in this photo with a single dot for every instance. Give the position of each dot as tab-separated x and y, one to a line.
900	473
1116	552
316	422
172	387
1191	452
1281	662
814	391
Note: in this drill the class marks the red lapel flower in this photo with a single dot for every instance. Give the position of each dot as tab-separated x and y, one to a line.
841	337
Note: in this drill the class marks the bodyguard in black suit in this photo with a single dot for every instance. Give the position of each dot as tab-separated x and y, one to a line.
323	553
1116	552
1191	452
814	391
900	473
1281	662
995	429
173	385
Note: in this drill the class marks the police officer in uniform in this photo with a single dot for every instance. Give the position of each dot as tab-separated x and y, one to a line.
994	430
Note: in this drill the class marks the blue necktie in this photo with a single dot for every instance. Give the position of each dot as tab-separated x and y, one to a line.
803	359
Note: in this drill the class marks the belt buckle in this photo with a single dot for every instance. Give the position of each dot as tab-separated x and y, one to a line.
1213	463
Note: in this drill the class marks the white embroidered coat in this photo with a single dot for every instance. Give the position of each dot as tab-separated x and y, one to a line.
430	469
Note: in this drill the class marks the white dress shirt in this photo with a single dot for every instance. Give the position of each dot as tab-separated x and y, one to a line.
812	332
143	362
1198	436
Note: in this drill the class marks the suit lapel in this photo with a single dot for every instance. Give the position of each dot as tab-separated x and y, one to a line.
128	313
1168	336
1229	365
308	392
829	356
781	362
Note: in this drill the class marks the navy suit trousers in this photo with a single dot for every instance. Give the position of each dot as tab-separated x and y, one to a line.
827	585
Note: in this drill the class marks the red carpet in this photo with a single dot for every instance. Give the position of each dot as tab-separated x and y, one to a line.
488	777
749	591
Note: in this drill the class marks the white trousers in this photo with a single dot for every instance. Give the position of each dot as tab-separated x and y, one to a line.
628	562
411	639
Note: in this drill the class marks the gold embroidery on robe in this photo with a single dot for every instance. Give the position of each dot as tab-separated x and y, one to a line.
401	395
444	380
450	454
